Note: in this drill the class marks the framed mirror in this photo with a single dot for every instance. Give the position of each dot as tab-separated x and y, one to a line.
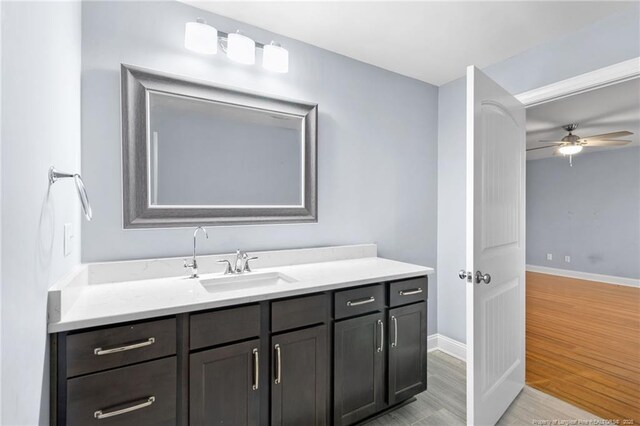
197	153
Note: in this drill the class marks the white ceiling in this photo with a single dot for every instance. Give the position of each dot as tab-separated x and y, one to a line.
430	41
605	110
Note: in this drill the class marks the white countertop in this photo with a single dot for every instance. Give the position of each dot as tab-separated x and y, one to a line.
114	302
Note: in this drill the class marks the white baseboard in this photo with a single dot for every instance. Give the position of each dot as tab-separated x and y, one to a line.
607	279
432	342
447	345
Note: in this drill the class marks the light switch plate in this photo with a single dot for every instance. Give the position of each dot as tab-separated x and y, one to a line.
68	236
549	256
567	259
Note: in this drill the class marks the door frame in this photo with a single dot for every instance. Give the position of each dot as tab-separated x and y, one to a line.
596	79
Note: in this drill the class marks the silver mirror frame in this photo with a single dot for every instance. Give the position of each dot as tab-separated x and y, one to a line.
136	83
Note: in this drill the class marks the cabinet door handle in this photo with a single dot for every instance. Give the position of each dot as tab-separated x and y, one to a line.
278	365
395	331
100	414
410	292
361	301
381	325
100	351
256	369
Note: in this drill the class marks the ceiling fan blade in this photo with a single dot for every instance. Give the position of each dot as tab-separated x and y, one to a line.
549	141
606	143
542	147
611	135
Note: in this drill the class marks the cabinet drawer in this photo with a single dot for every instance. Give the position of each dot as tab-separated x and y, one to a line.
359	301
112	347
298	312
142	394
227	325
407	291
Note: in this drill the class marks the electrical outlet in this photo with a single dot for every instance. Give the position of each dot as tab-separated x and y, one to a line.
567	259
549	256
68	237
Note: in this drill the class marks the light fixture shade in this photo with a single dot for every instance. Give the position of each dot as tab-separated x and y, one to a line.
201	38
275	58
570	149
241	48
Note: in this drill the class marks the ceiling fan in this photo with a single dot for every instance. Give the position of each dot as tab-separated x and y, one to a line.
573	144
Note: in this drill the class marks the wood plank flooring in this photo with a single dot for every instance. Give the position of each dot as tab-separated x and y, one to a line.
444	402
583	344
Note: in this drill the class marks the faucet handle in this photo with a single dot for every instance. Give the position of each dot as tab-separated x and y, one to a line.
246	267
227	269
186	264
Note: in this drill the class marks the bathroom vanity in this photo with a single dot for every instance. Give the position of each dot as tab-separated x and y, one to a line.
316	336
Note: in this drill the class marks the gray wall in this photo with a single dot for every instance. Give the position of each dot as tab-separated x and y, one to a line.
452	151
377	147
590	211
611	40
40	127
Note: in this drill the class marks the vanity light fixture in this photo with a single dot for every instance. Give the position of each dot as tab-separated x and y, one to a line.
200	37
241	48
275	58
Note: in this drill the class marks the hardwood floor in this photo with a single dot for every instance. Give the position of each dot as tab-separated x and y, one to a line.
444	402
583	344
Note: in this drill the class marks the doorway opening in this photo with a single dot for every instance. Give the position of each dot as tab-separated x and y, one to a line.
582	251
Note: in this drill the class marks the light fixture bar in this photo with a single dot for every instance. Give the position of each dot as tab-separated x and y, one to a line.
225	36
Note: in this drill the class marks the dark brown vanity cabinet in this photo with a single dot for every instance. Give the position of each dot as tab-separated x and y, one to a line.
337	357
299	384
407	351
224	385
118	375
380	355
359	358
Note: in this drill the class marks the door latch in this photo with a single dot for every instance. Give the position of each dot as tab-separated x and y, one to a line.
465	275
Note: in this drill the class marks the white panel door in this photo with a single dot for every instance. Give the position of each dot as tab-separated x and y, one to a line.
495	246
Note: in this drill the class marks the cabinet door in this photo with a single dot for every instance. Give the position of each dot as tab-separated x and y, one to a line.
407	351
223	386
299	379
359	351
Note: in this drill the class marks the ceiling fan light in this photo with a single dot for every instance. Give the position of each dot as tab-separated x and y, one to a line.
570	149
241	48
200	37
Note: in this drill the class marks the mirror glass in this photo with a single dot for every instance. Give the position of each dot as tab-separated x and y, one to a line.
206	153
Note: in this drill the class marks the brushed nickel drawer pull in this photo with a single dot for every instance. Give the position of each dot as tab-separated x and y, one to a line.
410	292
100	351
361	301
256	369
102	415
381	324
395	331
278	365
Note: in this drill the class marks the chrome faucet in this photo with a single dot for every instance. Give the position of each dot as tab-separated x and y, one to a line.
194	263
240	265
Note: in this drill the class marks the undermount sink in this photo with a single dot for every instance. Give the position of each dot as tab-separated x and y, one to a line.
246	280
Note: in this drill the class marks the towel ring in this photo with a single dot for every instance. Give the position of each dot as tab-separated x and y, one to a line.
54	175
